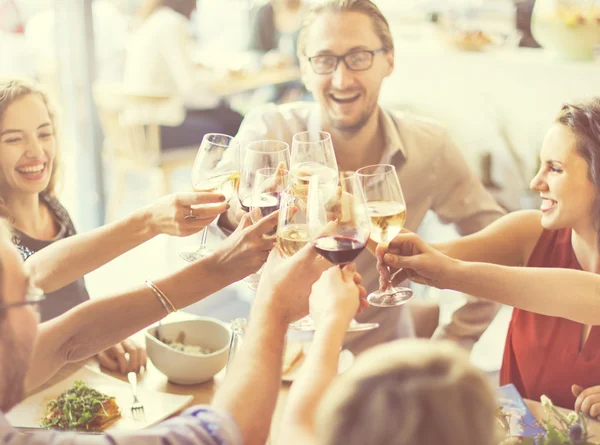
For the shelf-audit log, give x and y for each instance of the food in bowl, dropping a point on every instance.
(81, 408)
(187, 368)
(179, 345)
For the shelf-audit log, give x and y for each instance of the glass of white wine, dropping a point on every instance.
(312, 155)
(387, 211)
(292, 227)
(206, 177)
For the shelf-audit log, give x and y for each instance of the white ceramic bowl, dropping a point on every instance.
(188, 369)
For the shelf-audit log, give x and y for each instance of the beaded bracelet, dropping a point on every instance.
(169, 307)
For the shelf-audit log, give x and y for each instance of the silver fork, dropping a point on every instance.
(137, 409)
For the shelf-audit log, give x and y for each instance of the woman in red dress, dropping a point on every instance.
(553, 342)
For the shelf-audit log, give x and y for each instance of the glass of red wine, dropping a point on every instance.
(253, 157)
(338, 227)
(269, 184)
(257, 155)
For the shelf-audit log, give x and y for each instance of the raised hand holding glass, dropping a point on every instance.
(387, 212)
(206, 177)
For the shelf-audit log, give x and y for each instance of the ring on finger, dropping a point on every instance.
(191, 216)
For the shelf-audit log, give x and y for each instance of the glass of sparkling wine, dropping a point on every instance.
(292, 234)
(387, 211)
(207, 177)
(269, 184)
(292, 229)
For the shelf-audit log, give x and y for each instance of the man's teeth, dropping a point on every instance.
(32, 169)
(344, 96)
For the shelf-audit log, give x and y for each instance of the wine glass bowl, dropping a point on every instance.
(292, 227)
(312, 155)
(257, 155)
(206, 176)
(339, 225)
(269, 184)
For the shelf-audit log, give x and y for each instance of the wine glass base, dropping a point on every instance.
(395, 296)
(190, 257)
(307, 324)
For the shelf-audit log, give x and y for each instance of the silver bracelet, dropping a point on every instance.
(169, 307)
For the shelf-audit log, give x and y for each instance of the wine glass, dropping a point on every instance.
(292, 227)
(269, 184)
(257, 155)
(207, 178)
(387, 210)
(313, 154)
(339, 229)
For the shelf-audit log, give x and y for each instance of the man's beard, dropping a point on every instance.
(355, 127)
(352, 128)
(14, 367)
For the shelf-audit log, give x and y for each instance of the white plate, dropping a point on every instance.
(345, 361)
(157, 405)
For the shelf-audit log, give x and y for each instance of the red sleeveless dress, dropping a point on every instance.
(541, 355)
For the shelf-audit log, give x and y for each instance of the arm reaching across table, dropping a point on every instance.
(539, 290)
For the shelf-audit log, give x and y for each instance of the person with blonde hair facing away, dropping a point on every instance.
(56, 257)
(545, 263)
(407, 392)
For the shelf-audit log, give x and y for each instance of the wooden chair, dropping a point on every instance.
(131, 125)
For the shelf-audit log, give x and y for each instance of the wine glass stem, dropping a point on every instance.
(391, 276)
(203, 239)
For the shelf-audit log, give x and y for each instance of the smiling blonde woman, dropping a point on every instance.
(56, 257)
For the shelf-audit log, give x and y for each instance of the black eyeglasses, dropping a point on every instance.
(354, 60)
(34, 296)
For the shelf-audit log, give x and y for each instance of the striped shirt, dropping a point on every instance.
(198, 425)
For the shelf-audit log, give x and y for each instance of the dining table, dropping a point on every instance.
(152, 380)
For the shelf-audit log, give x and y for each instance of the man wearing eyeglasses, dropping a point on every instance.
(346, 50)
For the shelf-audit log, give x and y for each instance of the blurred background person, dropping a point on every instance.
(160, 61)
(10, 17)
(13, 45)
(274, 31)
(110, 36)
